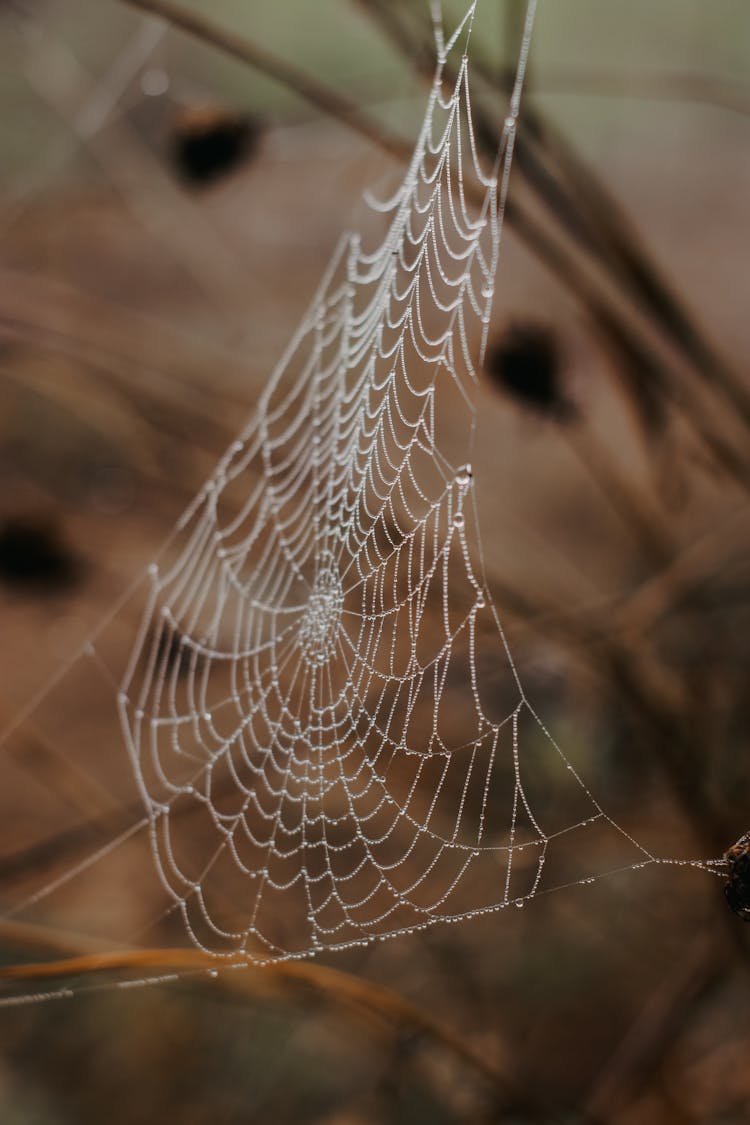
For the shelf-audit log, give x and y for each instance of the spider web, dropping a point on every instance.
(322, 717)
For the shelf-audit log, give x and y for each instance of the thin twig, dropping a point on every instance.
(316, 93)
(552, 254)
(583, 195)
(351, 992)
(572, 190)
(601, 227)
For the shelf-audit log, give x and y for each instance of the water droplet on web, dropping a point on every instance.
(458, 519)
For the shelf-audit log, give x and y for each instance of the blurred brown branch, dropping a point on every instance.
(378, 1004)
(609, 237)
(595, 227)
(317, 93)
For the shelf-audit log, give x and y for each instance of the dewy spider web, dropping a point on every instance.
(324, 608)
(324, 723)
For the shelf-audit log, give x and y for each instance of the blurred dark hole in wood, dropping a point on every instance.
(35, 557)
(208, 142)
(527, 363)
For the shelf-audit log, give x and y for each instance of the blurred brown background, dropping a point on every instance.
(157, 255)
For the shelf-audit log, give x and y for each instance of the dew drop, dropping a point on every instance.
(463, 478)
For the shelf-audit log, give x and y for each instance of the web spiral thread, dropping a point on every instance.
(319, 677)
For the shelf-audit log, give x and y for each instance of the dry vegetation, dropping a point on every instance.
(142, 304)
